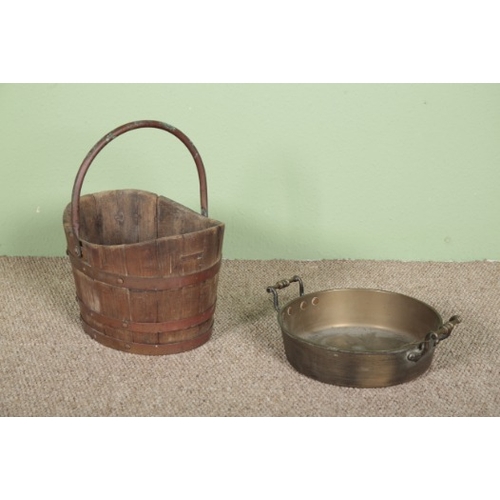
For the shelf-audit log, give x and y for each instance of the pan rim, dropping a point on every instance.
(401, 349)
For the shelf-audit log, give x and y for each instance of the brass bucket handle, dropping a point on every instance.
(283, 284)
(80, 176)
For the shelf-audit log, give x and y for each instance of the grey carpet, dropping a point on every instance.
(49, 367)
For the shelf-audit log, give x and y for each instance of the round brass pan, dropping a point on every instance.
(359, 337)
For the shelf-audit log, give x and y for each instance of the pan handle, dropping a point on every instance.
(432, 339)
(283, 284)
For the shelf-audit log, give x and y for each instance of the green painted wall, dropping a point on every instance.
(296, 171)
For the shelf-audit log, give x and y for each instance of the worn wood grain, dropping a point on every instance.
(129, 234)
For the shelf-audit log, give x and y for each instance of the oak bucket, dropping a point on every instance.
(145, 267)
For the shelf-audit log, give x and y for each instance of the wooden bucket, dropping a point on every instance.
(145, 267)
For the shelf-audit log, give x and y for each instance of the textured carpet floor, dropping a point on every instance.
(49, 367)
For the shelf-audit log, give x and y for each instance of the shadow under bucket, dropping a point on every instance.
(145, 267)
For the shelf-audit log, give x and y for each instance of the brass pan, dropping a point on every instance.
(359, 337)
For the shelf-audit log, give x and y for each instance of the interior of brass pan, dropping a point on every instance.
(359, 320)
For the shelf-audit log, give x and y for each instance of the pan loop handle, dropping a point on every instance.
(432, 339)
(445, 331)
(80, 176)
(283, 284)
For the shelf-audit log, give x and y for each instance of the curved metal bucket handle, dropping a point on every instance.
(80, 176)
